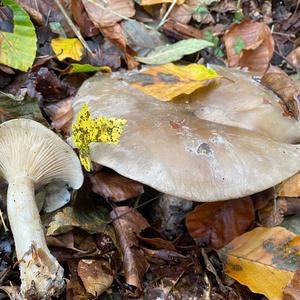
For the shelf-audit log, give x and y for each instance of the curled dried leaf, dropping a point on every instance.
(249, 44)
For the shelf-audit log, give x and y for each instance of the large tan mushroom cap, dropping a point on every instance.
(167, 146)
(28, 148)
(239, 100)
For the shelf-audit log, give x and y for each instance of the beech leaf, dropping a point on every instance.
(168, 81)
(67, 48)
(173, 52)
(18, 48)
(270, 253)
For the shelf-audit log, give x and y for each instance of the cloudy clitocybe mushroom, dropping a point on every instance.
(233, 146)
(31, 155)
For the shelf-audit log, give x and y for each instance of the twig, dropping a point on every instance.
(74, 28)
(286, 60)
(3, 222)
(163, 20)
(173, 286)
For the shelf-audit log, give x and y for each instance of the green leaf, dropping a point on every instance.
(173, 52)
(83, 68)
(238, 45)
(201, 10)
(18, 49)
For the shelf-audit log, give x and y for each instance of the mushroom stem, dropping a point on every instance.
(41, 274)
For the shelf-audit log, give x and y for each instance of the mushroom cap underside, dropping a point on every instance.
(28, 148)
(170, 149)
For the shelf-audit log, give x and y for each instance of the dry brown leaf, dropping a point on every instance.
(108, 13)
(294, 57)
(117, 36)
(61, 114)
(218, 223)
(292, 290)
(182, 13)
(128, 223)
(96, 275)
(75, 289)
(152, 2)
(249, 44)
(80, 16)
(115, 187)
(284, 86)
(179, 31)
(290, 187)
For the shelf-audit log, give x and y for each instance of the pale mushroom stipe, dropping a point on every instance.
(31, 155)
(223, 144)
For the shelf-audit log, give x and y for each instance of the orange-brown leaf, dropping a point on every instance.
(218, 223)
(258, 45)
(115, 187)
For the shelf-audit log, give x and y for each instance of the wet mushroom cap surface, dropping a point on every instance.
(168, 147)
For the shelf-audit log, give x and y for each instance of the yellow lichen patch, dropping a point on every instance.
(87, 130)
(168, 81)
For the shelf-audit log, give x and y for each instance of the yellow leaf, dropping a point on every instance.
(168, 81)
(67, 48)
(264, 259)
(87, 130)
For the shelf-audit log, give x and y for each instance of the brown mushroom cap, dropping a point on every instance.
(167, 146)
(28, 148)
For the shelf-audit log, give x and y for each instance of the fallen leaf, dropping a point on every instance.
(91, 220)
(168, 81)
(48, 86)
(280, 83)
(141, 39)
(116, 35)
(115, 187)
(85, 68)
(108, 13)
(182, 13)
(292, 290)
(258, 45)
(87, 28)
(75, 289)
(173, 52)
(67, 48)
(217, 223)
(290, 187)
(179, 31)
(128, 223)
(152, 2)
(17, 49)
(271, 253)
(60, 113)
(96, 275)
(294, 57)
(27, 108)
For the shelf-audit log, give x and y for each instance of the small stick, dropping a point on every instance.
(3, 222)
(163, 20)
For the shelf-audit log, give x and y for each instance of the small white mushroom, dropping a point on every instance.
(31, 155)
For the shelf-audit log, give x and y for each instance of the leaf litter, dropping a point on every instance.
(113, 249)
